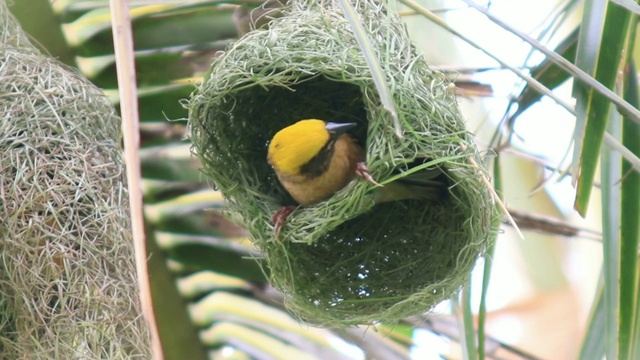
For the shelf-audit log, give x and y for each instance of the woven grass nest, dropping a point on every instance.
(346, 260)
(68, 285)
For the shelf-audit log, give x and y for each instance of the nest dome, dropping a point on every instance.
(68, 285)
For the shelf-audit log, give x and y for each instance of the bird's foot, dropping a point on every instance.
(363, 171)
(279, 218)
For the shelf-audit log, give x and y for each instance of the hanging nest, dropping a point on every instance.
(346, 260)
(67, 272)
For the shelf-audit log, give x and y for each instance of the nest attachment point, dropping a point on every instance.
(346, 260)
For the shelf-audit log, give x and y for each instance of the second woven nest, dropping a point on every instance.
(346, 260)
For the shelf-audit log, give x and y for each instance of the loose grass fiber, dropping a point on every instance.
(347, 260)
(67, 274)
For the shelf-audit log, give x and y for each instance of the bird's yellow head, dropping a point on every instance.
(294, 146)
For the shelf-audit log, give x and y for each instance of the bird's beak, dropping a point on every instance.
(338, 128)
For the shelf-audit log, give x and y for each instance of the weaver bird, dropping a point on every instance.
(313, 159)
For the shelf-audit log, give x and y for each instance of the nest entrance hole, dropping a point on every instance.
(256, 113)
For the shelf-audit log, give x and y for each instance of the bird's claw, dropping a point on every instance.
(279, 218)
(363, 171)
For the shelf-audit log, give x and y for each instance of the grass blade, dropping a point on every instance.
(371, 57)
(629, 225)
(602, 42)
(488, 264)
(548, 73)
(468, 338)
(593, 342)
(629, 5)
(610, 175)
